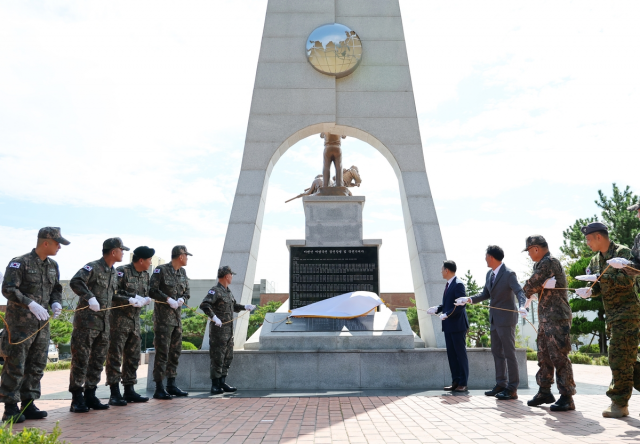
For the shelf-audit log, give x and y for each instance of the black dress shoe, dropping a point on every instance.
(30, 411)
(451, 387)
(494, 391)
(564, 404)
(541, 398)
(173, 389)
(507, 394)
(160, 392)
(461, 388)
(226, 387)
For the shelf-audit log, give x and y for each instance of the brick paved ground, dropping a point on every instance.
(374, 419)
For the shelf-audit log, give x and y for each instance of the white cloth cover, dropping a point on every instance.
(344, 306)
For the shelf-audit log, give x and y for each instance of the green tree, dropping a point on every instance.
(257, 318)
(61, 331)
(193, 326)
(623, 226)
(479, 324)
(412, 317)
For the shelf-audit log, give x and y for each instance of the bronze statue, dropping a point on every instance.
(317, 183)
(332, 153)
(350, 177)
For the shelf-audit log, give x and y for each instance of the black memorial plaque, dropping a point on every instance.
(319, 273)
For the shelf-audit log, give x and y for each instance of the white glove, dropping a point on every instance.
(551, 282)
(38, 311)
(523, 312)
(463, 301)
(443, 317)
(584, 293)
(216, 321)
(587, 277)
(142, 300)
(57, 309)
(147, 300)
(249, 307)
(172, 303)
(432, 310)
(618, 262)
(135, 302)
(180, 302)
(94, 304)
(527, 304)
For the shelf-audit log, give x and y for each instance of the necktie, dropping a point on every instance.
(493, 277)
(445, 289)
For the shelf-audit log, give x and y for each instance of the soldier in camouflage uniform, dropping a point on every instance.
(554, 314)
(95, 284)
(31, 285)
(125, 339)
(219, 304)
(170, 288)
(622, 309)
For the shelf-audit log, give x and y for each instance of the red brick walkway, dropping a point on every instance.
(413, 419)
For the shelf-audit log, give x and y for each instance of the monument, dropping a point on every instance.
(337, 67)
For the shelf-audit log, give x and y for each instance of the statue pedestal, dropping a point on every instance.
(334, 191)
(333, 221)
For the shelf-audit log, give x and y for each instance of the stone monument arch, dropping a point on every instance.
(373, 101)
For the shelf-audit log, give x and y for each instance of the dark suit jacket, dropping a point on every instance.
(502, 295)
(457, 320)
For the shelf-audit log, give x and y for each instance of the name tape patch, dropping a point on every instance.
(120, 274)
(88, 267)
(14, 265)
(212, 292)
(157, 270)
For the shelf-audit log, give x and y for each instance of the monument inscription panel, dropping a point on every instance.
(319, 273)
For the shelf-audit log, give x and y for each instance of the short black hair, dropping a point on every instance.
(176, 255)
(495, 252)
(602, 233)
(135, 258)
(106, 251)
(449, 265)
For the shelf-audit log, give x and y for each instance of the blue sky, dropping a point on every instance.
(128, 119)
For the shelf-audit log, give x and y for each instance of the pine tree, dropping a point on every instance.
(478, 314)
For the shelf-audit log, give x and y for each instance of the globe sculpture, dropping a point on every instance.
(334, 49)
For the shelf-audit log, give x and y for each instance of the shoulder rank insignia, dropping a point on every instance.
(88, 267)
(14, 265)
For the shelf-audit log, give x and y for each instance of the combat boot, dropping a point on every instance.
(116, 398)
(92, 401)
(215, 387)
(565, 403)
(226, 387)
(30, 411)
(130, 395)
(615, 411)
(541, 398)
(12, 414)
(173, 389)
(78, 404)
(160, 392)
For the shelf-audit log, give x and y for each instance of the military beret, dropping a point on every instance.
(534, 240)
(223, 271)
(635, 207)
(52, 233)
(593, 227)
(144, 252)
(178, 250)
(114, 242)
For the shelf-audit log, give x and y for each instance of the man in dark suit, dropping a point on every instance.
(501, 289)
(454, 325)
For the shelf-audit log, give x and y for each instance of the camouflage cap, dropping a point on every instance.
(223, 271)
(114, 242)
(635, 207)
(52, 233)
(534, 240)
(594, 226)
(178, 250)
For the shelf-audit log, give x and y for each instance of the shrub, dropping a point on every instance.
(30, 435)
(593, 348)
(580, 358)
(602, 360)
(257, 318)
(188, 346)
(60, 365)
(532, 356)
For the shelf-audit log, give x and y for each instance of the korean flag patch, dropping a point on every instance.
(120, 274)
(88, 267)
(14, 265)
(212, 292)
(156, 271)
(588, 270)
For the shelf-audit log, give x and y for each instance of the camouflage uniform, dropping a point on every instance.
(125, 339)
(219, 301)
(90, 336)
(166, 282)
(554, 316)
(28, 278)
(622, 309)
